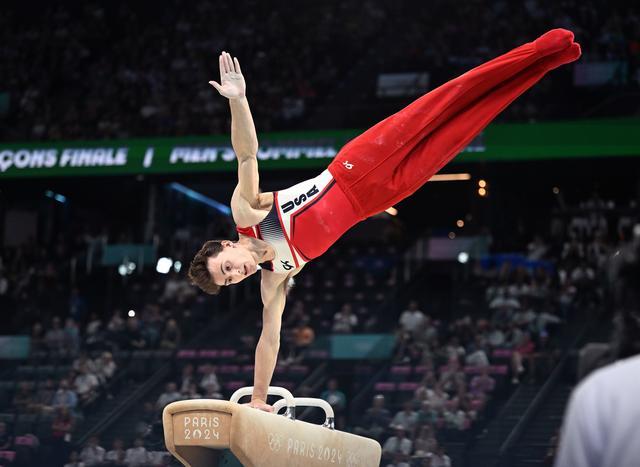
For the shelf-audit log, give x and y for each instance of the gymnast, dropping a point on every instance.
(283, 230)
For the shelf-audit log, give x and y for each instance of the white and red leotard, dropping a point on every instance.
(304, 221)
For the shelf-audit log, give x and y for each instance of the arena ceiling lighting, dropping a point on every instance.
(58, 197)
(450, 177)
(126, 268)
(164, 265)
(199, 197)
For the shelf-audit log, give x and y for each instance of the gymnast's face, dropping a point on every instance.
(232, 265)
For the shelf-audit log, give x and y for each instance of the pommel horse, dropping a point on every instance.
(210, 433)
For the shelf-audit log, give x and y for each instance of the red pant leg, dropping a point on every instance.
(367, 167)
(444, 143)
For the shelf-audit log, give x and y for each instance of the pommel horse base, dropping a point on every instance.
(198, 432)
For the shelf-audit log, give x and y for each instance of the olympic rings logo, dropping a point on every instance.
(275, 442)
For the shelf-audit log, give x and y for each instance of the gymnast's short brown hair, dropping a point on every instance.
(198, 271)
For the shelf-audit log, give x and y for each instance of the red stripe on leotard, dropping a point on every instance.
(248, 231)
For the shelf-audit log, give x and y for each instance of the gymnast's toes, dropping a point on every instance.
(554, 41)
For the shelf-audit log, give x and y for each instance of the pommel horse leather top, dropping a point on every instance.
(200, 432)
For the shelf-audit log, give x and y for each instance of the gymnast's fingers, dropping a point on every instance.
(221, 63)
(229, 62)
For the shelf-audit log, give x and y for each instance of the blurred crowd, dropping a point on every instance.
(124, 70)
(137, 455)
(478, 31)
(587, 259)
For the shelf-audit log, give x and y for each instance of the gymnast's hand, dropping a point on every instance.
(232, 85)
(261, 405)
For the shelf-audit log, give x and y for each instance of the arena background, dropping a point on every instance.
(452, 332)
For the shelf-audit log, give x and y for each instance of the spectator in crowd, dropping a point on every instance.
(170, 395)
(4, 286)
(150, 416)
(209, 381)
(105, 367)
(171, 336)
(92, 454)
(497, 336)
(93, 334)
(71, 336)
(116, 456)
(133, 335)
(376, 419)
(536, 249)
(43, 401)
(138, 455)
(77, 306)
(337, 399)
(151, 325)
(302, 337)
(38, 337)
(84, 360)
(477, 353)
(64, 396)
(412, 319)
(454, 416)
(397, 449)
(116, 330)
(188, 377)
(86, 384)
(345, 320)
(426, 387)
(440, 458)
(438, 397)
(6, 440)
(406, 418)
(75, 461)
(451, 374)
(482, 383)
(524, 348)
(23, 399)
(54, 338)
(61, 429)
(191, 392)
(426, 415)
(426, 442)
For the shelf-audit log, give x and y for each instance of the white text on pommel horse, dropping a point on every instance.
(310, 450)
(200, 427)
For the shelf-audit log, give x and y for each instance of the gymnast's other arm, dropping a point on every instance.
(246, 199)
(273, 289)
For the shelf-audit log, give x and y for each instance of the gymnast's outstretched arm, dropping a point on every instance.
(246, 196)
(273, 289)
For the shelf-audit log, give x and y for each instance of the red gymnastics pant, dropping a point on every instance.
(391, 160)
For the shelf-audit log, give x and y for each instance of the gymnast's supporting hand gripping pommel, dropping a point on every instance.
(287, 398)
(209, 433)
